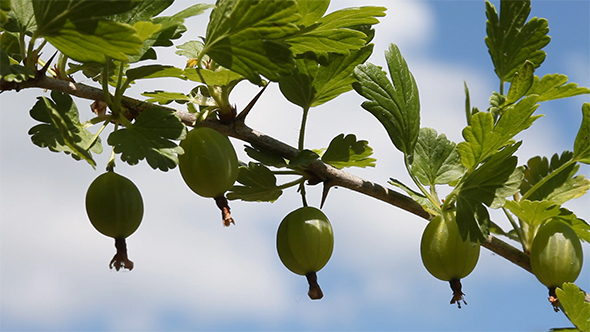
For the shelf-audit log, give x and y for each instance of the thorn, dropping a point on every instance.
(242, 116)
(47, 64)
(327, 186)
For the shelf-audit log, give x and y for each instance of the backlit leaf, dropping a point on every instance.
(346, 151)
(555, 86)
(576, 308)
(521, 83)
(582, 143)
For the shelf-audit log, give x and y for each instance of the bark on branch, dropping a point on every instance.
(329, 175)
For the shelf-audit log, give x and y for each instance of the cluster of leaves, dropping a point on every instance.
(482, 171)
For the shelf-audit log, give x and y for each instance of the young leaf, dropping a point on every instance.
(510, 41)
(259, 184)
(582, 143)
(346, 151)
(247, 37)
(313, 84)
(576, 308)
(436, 160)
(334, 34)
(521, 83)
(554, 181)
(150, 138)
(394, 103)
(483, 137)
(489, 184)
(61, 129)
(553, 86)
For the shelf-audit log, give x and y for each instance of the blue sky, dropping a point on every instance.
(192, 274)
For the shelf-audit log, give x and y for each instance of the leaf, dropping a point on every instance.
(416, 196)
(396, 105)
(221, 77)
(580, 226)
(153, 71)
(562, 185)
(521, 83)
(334, 32)
(259, 184)
(150, 138)
(21, 17)
(265, 157)
(61, 129)
(436, 160)
(576, 308)
(247, 37)
(164, 97)
(313, 84)
(534, 213)
(106, 39)
(304, 158)
(489, 184)
(553, 86)
(582, 142)
(346, 151)
(483, 138)
(311, 11)
(511, 41)
(10, 72)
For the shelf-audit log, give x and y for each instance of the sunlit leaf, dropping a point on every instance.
(511, 40)
(582, 143)
(394, 103)
(555, 86)
(521, 83)
(436, 160)
(576, 308)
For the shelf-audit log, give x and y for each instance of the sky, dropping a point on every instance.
(193, 274)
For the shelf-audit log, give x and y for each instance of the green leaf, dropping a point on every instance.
(9, 43)
(396, 105)
(191, 49)
(247, 37)
(576, 308)
(150, 138)
(511, 41)
(21, 17)
(61, 129)
(221, 77)
(346, 151)
(94, 43)
(533, 214)
(489, 184)
(13, 72)
(265, 157)
(153, 71)
(521, 83)
(580, 226)
(258, 184)
(416, 196)
(311, 11)
(164, 97)
(334, 33)
(313, 84)
(555, 181)
(483, 138)
(582, 142)
(304, 158)
(553, 86)
(436, 160)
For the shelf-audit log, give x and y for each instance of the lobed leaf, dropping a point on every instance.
(553, 86)
(582, 142)
(573, 303)
(13, 72)
(21, 17)
(150, 138)
(61, 129)
(559, 182)
(313, 84)
(258, 184)
(489, 184)
(394, 103)
(484, 137)
(436, 160)
(304, 158)
(247, 37)
(511, 41)
(265, 157)
(521, 82)
(346, 151)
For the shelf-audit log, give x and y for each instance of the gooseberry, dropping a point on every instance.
(115, 209)
(209, 166)
(305, 242)
(446, 255)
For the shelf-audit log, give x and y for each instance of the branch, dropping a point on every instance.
(328, 174)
